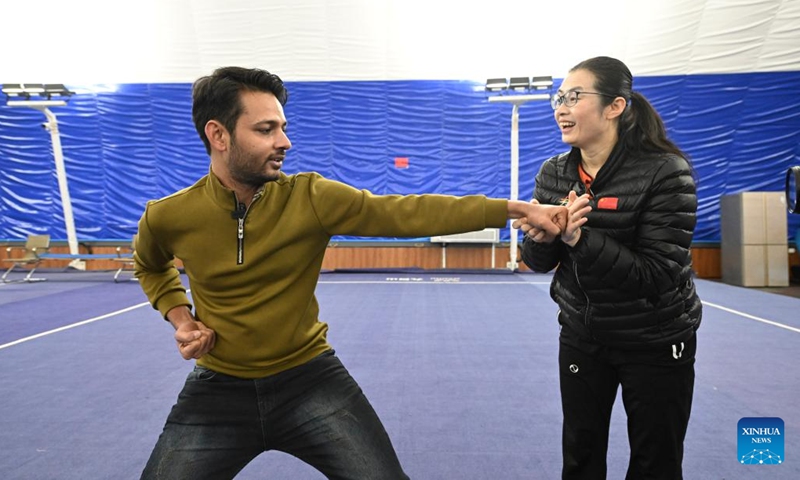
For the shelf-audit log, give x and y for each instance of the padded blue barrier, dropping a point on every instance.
(126, 145)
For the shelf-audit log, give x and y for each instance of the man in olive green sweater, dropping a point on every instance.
(252, 241)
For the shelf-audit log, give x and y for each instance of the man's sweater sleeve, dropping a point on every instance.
(344, 210)
(155, 270)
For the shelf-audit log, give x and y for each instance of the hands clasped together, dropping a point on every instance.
(540, 226)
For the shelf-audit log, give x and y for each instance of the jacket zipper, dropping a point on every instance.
(240, 242)
(240, 217)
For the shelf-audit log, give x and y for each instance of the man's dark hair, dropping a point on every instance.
(217, 96)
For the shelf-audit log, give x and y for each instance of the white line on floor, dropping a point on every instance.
(67, 327)
(409, 281)
(752, 317)
(403, 281)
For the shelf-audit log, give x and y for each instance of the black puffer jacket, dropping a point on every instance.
(628, 281)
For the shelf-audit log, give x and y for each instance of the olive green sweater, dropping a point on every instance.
(253, 278)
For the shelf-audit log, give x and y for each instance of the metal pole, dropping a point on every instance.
(516, 101)
(63, 187)
(61, 171)
(512, 264)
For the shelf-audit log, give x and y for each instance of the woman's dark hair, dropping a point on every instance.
(640, 127)
(216, 96)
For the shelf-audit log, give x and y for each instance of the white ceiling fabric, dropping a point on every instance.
(93, 41)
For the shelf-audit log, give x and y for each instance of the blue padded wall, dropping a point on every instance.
(137, 142)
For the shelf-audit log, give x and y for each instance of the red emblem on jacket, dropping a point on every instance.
(607, 203)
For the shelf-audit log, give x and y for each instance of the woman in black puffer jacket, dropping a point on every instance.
(623, 280)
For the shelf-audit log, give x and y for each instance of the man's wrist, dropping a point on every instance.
(179, 316)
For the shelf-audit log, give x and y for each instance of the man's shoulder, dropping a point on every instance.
(182, 195)
(292, 179)
(308, 180)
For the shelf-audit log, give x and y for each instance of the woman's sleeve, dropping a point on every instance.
(542, 257)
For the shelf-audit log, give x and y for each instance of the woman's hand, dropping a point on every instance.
(578, 208)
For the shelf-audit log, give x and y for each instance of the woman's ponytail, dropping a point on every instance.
(642, 130)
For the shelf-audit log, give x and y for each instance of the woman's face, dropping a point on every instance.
(585, 125)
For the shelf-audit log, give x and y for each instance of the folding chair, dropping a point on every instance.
(125, 259)
(35, 246)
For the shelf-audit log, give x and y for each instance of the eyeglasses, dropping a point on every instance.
(571, 98)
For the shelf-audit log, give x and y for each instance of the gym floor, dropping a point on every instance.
(461, 368)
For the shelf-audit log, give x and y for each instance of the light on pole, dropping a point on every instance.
(517, 91)
(41, 97)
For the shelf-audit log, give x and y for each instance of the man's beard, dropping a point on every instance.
(248, 169)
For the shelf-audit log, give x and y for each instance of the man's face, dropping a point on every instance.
(259, 144)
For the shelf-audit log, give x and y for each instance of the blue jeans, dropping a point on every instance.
(315, 412)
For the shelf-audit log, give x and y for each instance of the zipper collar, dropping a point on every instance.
(224, 197)
(615, 160)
